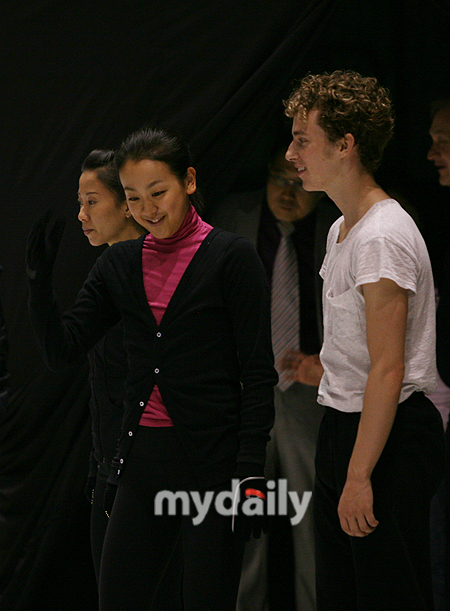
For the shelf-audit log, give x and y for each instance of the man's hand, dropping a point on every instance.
(303, 368)
(355, 508)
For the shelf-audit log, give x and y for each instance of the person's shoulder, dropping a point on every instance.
(388, 219)
(228, 248)
(231, 252)
(128, 245)
(120, 252)
(229, 239)
(390, 224)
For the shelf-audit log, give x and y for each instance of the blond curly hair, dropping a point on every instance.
(347, 103)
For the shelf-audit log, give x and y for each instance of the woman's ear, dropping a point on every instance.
(191, 181)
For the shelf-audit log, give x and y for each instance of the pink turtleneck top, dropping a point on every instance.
(164, 262)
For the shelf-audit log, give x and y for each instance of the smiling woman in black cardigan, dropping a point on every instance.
(195, 308)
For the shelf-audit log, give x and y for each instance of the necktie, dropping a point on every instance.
(285, 301)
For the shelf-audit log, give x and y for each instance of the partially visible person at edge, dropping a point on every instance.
(195, 307)
(380, 452)
(5, 376)
(439, 155)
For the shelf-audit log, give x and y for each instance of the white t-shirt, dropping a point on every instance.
(385, 243)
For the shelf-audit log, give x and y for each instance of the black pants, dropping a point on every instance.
(169, 594)
(388, 570)
(99, 520)
(139, 544)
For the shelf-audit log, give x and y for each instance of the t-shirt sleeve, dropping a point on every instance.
(382, 258)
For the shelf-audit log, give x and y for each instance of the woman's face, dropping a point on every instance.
(157, 199)
(104, 221)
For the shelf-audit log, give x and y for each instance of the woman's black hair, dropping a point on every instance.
(102, 162)
(163, 145)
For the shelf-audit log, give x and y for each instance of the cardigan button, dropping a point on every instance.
(158, 334)
(141, 403)
(121, 461)
(156, 370)
(130, 433)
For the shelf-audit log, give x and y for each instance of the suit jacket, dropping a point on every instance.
(241, 213)
(211, 355)
(5, 376)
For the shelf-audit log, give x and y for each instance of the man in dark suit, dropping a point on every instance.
(261, 216)
(4, 373)
(439, 154)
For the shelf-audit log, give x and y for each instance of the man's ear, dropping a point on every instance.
(346, 144)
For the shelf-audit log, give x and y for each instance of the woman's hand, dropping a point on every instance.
(43, 243)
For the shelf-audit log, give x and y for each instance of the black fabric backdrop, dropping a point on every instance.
(78, 76)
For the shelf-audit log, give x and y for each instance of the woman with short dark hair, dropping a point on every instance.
(195, 307)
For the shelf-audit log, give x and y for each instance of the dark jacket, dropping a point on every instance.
(108, 371)
(5, 377)
(211, 355)
(241, 213)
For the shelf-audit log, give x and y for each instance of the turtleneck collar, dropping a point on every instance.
(191, 224)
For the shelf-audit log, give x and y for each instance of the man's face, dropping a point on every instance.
(286, 197)
(312, 153)
(439, 152)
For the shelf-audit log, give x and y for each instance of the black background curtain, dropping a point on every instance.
(78, 76)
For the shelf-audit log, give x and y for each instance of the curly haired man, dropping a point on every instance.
(380, 449)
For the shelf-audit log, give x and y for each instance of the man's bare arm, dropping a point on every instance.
(386, 307)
